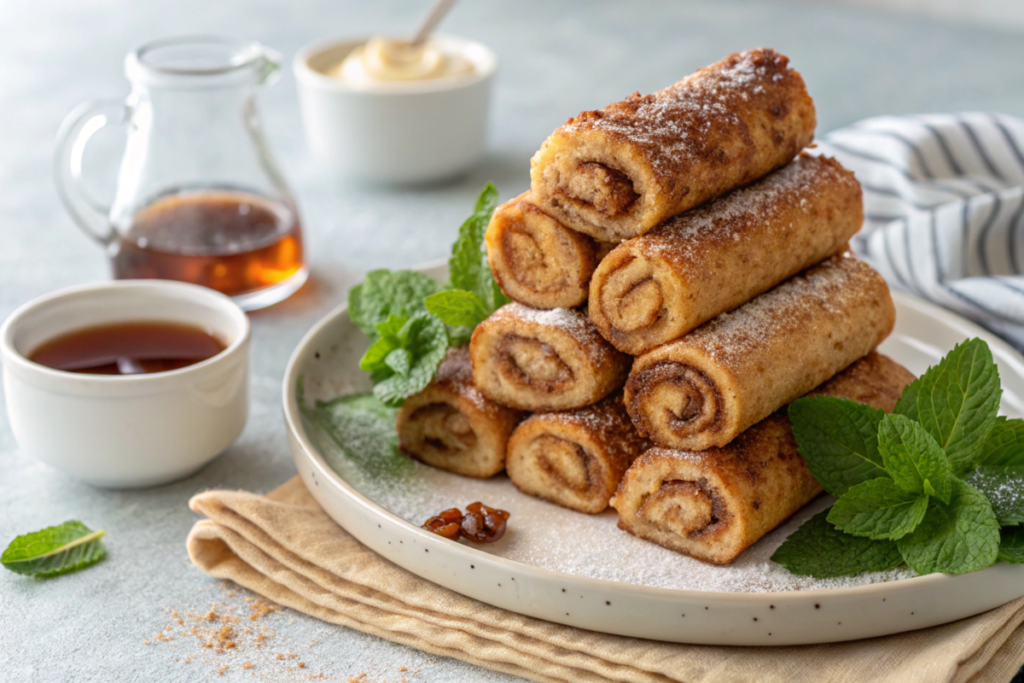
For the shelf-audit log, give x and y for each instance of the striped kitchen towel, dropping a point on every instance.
(944, 209)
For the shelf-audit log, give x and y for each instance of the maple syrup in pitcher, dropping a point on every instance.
(231, 241)
(199, 197)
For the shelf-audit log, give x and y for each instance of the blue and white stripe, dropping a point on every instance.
(944, 209)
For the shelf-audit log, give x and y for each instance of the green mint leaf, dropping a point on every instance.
(426, 342)
(913, 458)
(957, 538)
(495, 297)
(878, 509)
(400, 362)
(54, 550)
(466, 265)
(838, 439)
(356, 313)
(459, 336)
(392, 327)
(819, 549)
(956, 401)
(1004, 489)
(457, 307)
(1004, 446)
(386, 293)
(364, 428)
(1011, 545)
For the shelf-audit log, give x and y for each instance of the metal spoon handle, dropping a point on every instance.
(440, 9)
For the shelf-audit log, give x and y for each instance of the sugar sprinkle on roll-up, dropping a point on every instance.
(452, 426)
(656, 288)
(617, 172)
(703, 389)
(713, 504)
(538, 360)
(535, 259)
(574, 458)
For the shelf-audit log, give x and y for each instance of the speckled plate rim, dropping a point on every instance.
(685, 616)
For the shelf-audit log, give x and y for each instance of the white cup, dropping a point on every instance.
(398, 132)
(123, 431)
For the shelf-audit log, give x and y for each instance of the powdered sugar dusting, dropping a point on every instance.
(829, 287)
(672, 124)
(573, 322)
(748, 212)
(544, 535)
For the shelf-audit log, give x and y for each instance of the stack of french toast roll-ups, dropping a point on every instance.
(679, 274)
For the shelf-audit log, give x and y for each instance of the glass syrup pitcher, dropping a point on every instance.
(199, 197)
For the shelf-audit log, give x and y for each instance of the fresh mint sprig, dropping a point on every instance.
(932, 482)
(412, 319)
(474, 294)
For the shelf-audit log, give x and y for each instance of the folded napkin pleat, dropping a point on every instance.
(284, 547)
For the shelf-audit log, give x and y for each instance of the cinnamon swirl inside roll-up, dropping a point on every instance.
(574, 458)
(536, 260)
(617, 172)
(538, 360)
(703, 389)
(656, 288)
(713, 504)
(452, 426)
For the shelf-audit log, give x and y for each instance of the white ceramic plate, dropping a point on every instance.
(581, 570)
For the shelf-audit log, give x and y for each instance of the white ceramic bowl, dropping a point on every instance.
(132, 430)
(409, 132)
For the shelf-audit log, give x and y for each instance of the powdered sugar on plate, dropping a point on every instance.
(545, 535)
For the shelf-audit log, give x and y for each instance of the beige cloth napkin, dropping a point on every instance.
(286, 548)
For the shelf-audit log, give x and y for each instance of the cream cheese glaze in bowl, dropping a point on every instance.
(123, 431)
(411, 131)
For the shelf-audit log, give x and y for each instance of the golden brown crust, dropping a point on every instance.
(705, 388)
(536, 260)
(575, 458)
(539, 360)
(656, 288)
(617, 172)
(713, 504)
(454, 427)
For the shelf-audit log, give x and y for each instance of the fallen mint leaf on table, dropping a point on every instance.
(838, 439)
(912, 457)
(956, 401)
(818, 549)
(878, 509)
(957, 538)
(54, 550)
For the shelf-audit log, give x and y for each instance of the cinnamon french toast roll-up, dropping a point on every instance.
(713, 504)
(575, 458)
(452, 426)
(656, 288)
(617, 172)
(538, 360)
(703, 389)
(536, 260)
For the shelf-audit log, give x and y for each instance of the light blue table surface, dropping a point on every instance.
(557, 58)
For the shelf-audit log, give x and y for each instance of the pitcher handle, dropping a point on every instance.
(80, 125)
